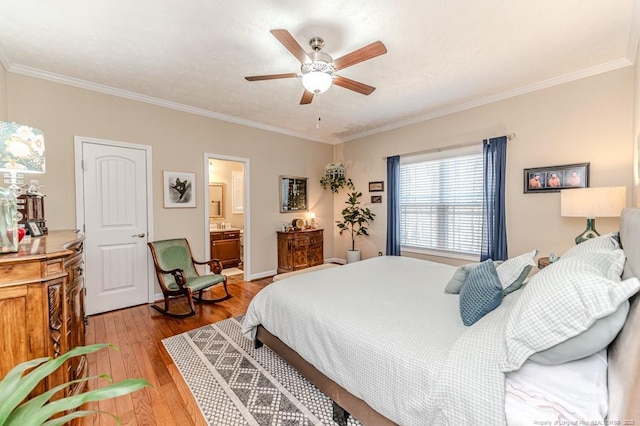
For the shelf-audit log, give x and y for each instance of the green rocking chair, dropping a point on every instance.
(177, 275)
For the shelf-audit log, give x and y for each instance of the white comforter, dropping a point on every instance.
(384, 329)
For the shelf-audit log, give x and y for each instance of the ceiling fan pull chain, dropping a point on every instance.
(318, 112)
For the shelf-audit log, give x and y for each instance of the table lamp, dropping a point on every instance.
(592, 203)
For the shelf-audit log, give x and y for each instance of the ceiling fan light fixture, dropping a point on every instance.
(317, 81)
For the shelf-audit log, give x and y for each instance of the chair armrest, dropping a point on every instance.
(217, 265)
(178, 276)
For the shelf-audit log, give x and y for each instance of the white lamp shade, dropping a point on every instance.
(21, 148)
(316, 82)
(593, 202)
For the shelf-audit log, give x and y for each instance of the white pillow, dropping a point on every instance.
(561, 302)
(608, 242)
(511, 270)
(571, 393)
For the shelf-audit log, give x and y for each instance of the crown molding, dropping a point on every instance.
(4, 58)
(634, 32)
(587, 72)
(57, 78)
(101, 88)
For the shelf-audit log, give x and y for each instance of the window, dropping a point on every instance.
(441, 202)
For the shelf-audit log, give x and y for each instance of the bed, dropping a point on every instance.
(387, 345)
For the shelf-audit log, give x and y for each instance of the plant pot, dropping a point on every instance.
(353, 256)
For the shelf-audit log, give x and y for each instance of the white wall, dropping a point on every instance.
(179, 141)
(3, 93)
(589, 120)
(636, 132)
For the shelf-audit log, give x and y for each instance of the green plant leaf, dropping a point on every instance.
(59, 421)
(71, 402)
(39, 401)
(9, 384)
(20, 388)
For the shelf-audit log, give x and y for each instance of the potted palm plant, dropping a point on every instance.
(355, 220)
(39, 410)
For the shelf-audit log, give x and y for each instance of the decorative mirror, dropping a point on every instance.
(293, 194)
(216, 200)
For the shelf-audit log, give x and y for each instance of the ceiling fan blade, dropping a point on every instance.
(291, 44)
(270, 76)
(307, 97)
(370, 51)
(356, 86)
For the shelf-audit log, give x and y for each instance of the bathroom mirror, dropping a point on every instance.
(216, 200)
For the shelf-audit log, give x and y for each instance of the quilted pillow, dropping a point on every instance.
(560, 302)
(590, 341)
(481, 293)
(455, 283)
(603, 243)
(514, 271)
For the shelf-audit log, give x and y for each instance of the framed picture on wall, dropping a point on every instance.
(179, 189)
(377, 186)
(293, 194)
(555, 178)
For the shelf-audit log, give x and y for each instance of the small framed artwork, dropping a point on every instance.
(555, 178)
(293, 194)
(377, 186)
(179, 189)
(33, 228)
(376, 199)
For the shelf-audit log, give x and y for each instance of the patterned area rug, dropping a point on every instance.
(235, 384)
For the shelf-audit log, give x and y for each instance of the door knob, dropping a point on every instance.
(140, 235)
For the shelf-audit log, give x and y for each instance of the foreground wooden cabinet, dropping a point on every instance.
(42, 305)
(300, 249)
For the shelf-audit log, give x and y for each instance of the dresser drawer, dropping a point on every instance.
(316, 239)
(304, 241)
(19, 271)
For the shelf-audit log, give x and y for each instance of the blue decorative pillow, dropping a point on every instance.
(481, 293)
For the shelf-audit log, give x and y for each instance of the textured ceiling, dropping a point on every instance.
(192, 55)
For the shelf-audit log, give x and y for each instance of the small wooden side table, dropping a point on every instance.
(542, 262)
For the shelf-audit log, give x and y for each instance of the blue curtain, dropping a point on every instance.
(393, 206)
(494, 227)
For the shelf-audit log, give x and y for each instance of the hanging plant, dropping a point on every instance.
(335, 183)
(335, 179)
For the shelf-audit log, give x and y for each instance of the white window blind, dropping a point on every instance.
(441, 202)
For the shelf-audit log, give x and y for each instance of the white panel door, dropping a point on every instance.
(115, 198)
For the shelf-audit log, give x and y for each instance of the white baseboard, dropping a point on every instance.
(262, 275)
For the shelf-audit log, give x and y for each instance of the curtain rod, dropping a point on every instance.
(447, 148)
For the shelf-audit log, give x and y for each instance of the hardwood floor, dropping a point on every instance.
(138, 332)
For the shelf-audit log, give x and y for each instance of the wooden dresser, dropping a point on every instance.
(42, 305)
(225, 246)
(300, 249)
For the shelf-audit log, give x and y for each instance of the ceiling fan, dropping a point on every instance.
(318, 70)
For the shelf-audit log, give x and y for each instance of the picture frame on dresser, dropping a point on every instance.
(33, 228)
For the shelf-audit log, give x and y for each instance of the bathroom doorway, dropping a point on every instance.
(226, 218)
